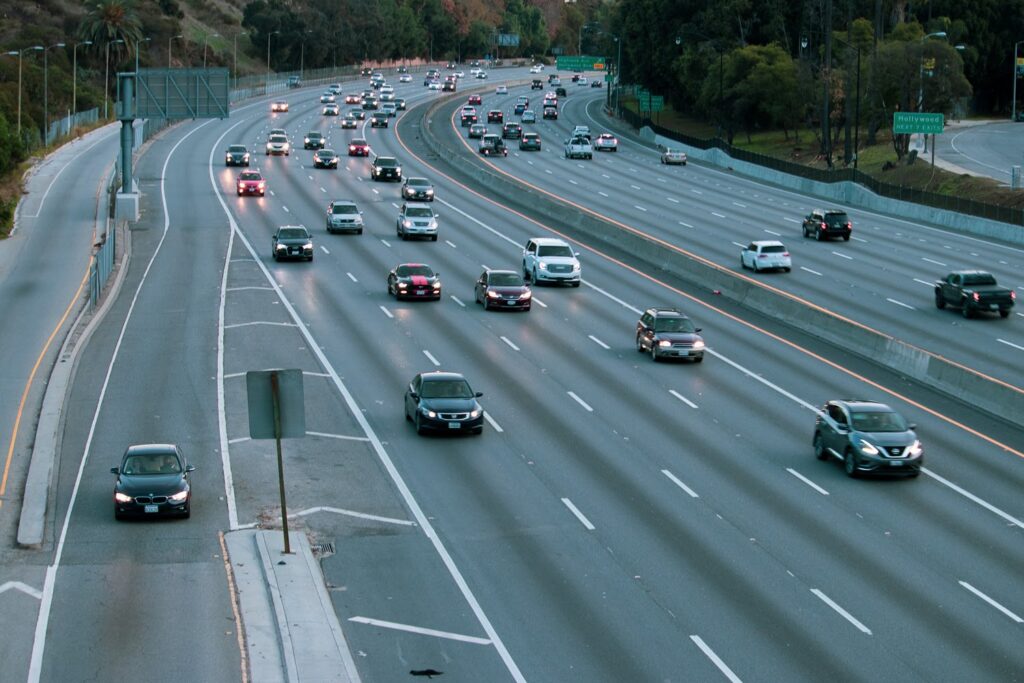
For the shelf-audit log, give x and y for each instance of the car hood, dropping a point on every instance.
(558, 260)
(450, 405)
(293, 241)
(686, 337)
(887, 439)
(506, 290)
(143, 484)
(420, 220)
(346, 218)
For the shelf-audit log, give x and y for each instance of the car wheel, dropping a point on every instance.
(966, 310)
(699, 359)
(743, 263)
(359, 231)
(805, 232)
(850, 463)
(533, 277)
(118, 516)
(419, 427)
(1004, 313)
(819, 448)
(940, 301)
(188, 512)
(846, 238)
(639, 344)
(274, 256)
(654, 352)
(818, 236)
(757, 268)
(433, 238)
(575, 283)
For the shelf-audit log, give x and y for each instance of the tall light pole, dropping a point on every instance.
(856, 117)
(206, 40)
(920, 90)
(20, 53)
(302, 54)
(46, 89)
(169, 40)
(268, 57)
(1013, 106)
(106, 77)
(74, 76)
(141, 40)
(618, 73)
(234, 58)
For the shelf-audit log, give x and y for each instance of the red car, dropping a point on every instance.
(474, 99)
(358, 148)
(495, 116)
(251, 182)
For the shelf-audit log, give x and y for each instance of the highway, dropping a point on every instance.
(988, 150)
(617, 520)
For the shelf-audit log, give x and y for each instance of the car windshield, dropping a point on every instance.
(251, 176)
(151, 463)
(773, 249)
(418, 182)
(878, 421)
(414, 269)
(555, 250)
(674, 325)
(343, 208)
(446, 388)
(505, 280)
(359, 143)
(326, 153)
(418, 212)
(292, 234)
(314, 136)
(384, 161)
(278, 138)
(237, 149)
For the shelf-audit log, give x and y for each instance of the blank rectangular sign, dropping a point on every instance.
(291, 399)
(183, 94)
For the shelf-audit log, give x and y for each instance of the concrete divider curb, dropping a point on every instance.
(995, 397)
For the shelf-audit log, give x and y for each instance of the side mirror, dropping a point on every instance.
(576, 253)
(414, 396)
(842, 427)
(479, 394)
(697, 329)
(190, 468)
(115, 470)
(912, 425)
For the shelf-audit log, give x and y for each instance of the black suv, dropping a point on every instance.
(314, 140)
(379, 119)
(867, 437)
(668, 333)
(821, 224)
(386, 168)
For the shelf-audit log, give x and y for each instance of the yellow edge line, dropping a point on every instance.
(793, 345)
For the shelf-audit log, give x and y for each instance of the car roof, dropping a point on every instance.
(418, 205)
(335, 202)
(440, 375)
(667, 312)
(417, 180)
(768, 243)
(548, 241)
(151, 449)
(863, 405)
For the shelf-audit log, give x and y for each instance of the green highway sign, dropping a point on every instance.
(657, 103)
(580, 63)
(608, 78)
(904, 123)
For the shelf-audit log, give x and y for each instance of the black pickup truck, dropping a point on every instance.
(973, 291)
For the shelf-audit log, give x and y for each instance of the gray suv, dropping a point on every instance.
(344, 215)
(416, 219)
(868, 437)
(668, 333)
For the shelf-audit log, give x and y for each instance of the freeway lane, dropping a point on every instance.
(882, 278)
(588, 560)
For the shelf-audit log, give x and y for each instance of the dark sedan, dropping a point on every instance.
(418, 189)
(443, 401)
(325, 158)
(292, 241)
(503, 289)
(152, 481)
(237, 155)
(414, 281)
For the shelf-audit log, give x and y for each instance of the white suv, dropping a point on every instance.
(547, 259)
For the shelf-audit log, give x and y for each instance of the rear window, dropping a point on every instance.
(979, 279)
(832, 217)
(773, 249)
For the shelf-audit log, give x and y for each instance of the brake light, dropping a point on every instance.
(849, 225)
(762, 256)
(786, 254)
(824, 226)
(1013, 295)
(976, 296)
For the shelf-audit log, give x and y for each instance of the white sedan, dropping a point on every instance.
(536, 68)
(673, 156)
(434, 85)
(501, 90)
(766, 255)
(606, 142)
(405, 78)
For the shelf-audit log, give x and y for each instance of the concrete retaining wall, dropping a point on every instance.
(997, 398)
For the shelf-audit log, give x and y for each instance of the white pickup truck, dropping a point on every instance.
(579, 148)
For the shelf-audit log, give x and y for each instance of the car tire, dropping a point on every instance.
(118, 516)
(699, 359)
(575, 283)
(654, 352)
(433, 238)
(419, 427)
(846, 238)
(533, 277)
(188, 512)
(940, 301)
(786, 270)
(359, 231)
(639, 345)
(966, 310)
(850, 463)
(757, 268)
(1004, 313)
(274, 256)
(817, 235)
(819, 447)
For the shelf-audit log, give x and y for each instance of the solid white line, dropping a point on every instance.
(103, 138)
(242, 289)
(456, 300)
(720, 215)
(324, 249)
(970, 496)
(579, 515)
(762, 380)
(478, 222)
(386, 311)
(715, 659)
(1003, 341)
(938, 263)
(807, 481)
(846, 615)
(900, 303)
(581, 402)
(598, 341)
(450, 244)
(741, 246)
(675, 480)
(848, 258)
(352, 277)
(925, 282)
(43, 617)
(422, 631)
(494, 425)
(509, 342)
(682, 398)
(614, 298)
(256, 323)
(812, 272)
(430, 357)
(991, 601)
(341, 437)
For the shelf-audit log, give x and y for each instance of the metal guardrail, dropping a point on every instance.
(971, 207)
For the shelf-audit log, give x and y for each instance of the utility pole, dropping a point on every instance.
(826, 132)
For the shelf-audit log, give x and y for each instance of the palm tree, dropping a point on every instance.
(109, 20)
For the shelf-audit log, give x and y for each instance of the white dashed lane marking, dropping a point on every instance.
(598, 341)
(579, 400)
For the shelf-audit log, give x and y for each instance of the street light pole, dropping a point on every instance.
(141, 40)
(618, 73)
(206, 40)
(106, 77)
(20, 53)
(46, 90)
(234, 68)
(169, 48)
(920, 89)
(268, 57)
(74, 76)
(1013, 104)
(302, 55)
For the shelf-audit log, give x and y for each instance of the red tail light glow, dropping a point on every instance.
(976, 296)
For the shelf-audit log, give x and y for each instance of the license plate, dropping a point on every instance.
(895, 463)
(511, 303)
(454, 425)
(420, 293)
(993, 306)
(151, 508)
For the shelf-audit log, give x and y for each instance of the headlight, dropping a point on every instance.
(527, 294)
(268, 145)
(699, 344)
(308, 245)
(543, 266)
(286, 145)
(179, 496)
(245, 157)
(407, 223)
(491, 294)
(430, 192)
(427, 411)
(575, 267)
(664, 343)
(915, 449)
(867, 449)
(227, 158)
(307, 141)
(476, 413)
(436, 285)
(402, 285)
(122, 497)
(263, 184)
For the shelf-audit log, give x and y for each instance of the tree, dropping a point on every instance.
(110, 20)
